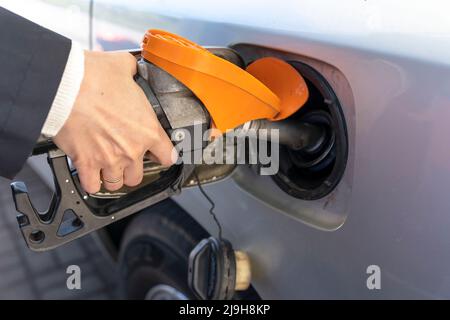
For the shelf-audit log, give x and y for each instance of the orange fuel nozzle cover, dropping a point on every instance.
(232, 95)
(284, 80)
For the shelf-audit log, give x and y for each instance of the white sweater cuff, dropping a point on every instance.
(67, 92)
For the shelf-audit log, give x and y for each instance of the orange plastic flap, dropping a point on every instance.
(269, 89)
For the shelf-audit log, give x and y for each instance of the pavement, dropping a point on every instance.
(25, 274)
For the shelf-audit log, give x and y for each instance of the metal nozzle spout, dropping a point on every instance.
(294, 134)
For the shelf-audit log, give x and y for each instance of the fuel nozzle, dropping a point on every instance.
(292, 133)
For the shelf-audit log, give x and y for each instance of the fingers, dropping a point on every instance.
(89, 178)
(112, 178)
(163, 150)
(133, 174)
(130, 173)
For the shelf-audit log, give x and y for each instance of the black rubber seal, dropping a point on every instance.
(317, 181)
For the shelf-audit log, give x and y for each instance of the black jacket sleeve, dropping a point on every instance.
(32, 61)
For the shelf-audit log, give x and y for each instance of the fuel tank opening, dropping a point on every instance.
(314, 172)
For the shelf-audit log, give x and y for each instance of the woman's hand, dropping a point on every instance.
(112, 125)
